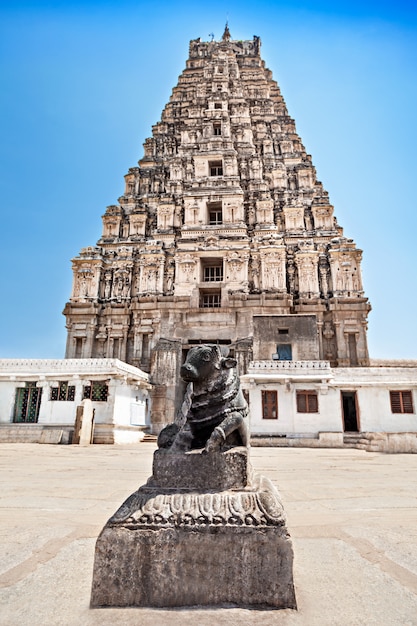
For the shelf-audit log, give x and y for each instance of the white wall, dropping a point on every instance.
(116, 410)
(329, 417)
(130, 406)
(372, 386)
(375, 412)
(7, 399)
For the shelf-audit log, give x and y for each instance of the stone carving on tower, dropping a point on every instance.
(223, 220)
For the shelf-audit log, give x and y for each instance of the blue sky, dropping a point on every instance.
(83, 82)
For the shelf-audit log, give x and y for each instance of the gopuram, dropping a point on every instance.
(223, 235)
(204, 530)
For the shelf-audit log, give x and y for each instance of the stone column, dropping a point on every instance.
(87, 423)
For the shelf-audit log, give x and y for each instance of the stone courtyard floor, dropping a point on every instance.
(352, 516)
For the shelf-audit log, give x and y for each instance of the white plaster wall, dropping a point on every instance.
(139, 409)
(103, 411)
(329, 417)
(64, 412)
(375, 412)
(58, 411)
(285, 420)
(7, 399)
(130, 407)
(117, 409)
(124, 396)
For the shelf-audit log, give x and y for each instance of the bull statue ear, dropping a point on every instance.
(228, 363)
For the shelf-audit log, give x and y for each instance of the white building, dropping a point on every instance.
(311, 403)
(39, 399)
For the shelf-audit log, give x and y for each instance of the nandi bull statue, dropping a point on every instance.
(214, 413)
(204, 516)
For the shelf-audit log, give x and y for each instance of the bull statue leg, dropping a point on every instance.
(231, 423)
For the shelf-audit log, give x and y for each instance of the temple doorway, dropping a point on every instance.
(350, 413)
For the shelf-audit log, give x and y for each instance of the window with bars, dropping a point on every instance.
(269, 405)
(63, 392)
(401, 401)
(210, 300)
(307, 402)
(213, 273)
(97, 391)
(215, 217)
(217, 129)
(27, 403)
(216, 168)
(215, 213)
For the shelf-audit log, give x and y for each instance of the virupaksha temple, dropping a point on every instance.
(224, 236)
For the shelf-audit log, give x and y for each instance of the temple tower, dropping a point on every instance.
(223, 234)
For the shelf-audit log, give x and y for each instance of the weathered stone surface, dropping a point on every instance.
(186, 566)
(199, 471)
(167, 548)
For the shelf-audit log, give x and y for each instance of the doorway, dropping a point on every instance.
(350, 413)
(27, 403)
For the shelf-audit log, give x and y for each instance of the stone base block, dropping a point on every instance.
(198, 471)
(172, 567)
(165, 549)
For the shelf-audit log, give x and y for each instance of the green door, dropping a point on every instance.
(28, 402)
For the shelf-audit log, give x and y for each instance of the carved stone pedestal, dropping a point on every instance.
(225, 544)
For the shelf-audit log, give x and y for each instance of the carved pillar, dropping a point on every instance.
(308, 273)
(167, 393)
(320, 337)
(89, 340)
(161, 272)
(243, 355)
(123, 350)
(342, 356)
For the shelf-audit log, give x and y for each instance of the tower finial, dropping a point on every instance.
(226, 34)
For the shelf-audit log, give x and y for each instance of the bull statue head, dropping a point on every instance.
(203, 361)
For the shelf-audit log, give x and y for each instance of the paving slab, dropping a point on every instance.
(352, 516)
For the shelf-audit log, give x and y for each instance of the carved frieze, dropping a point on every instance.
(147, 508)
(346, 273)
(137, 224)
(165, 216)
(307, 269)
(186, 268)
(273, 269)
(323, 217)
(237, 267)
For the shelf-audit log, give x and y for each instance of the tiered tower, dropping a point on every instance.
(224, 234)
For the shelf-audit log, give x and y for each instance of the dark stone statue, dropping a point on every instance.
(205, 530)
(216, 418)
